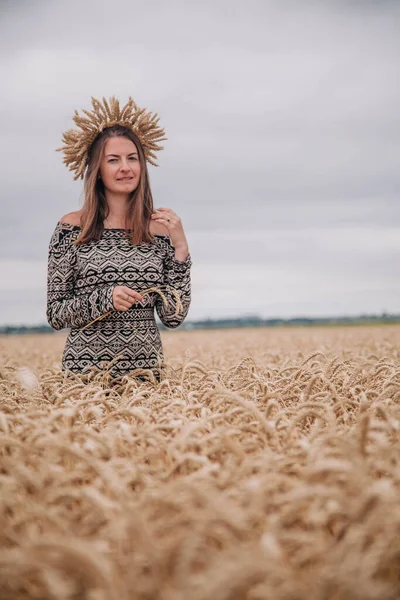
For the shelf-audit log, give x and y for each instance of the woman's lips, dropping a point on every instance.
(125, 179)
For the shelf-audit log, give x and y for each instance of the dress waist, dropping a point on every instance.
(134, 317)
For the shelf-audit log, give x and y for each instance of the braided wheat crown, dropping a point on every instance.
(139, 120)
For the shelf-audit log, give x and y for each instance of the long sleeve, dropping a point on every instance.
(176, 275)
(64, 307)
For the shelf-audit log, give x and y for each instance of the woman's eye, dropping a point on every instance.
(114, 159)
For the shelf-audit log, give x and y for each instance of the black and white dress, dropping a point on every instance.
(80, 283)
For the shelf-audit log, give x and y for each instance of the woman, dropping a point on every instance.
(102, 256)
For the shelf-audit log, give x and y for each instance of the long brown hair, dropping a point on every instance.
(95, 208)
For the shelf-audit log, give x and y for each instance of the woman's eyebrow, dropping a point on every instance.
(118, 154)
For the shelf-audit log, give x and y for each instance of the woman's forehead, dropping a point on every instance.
(119, 145)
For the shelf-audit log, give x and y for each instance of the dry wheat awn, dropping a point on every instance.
(248, 473)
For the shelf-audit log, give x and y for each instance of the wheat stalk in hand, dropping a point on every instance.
(178, 309)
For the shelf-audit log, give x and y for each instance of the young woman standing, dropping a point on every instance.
(102, 256)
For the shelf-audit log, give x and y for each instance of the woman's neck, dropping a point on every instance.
(117, 210)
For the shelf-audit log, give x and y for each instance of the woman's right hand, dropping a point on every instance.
(124, 297)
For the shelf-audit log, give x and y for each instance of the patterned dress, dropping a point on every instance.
(80, 283)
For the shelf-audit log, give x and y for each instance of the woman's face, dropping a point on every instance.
(120, 166)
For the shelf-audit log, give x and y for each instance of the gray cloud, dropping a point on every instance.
(282, 121)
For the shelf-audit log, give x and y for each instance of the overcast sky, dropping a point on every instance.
(282, 157)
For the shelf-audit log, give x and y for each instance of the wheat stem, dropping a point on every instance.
(179, 306)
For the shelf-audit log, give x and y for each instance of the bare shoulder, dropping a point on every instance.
(72, 218)
(158, 228)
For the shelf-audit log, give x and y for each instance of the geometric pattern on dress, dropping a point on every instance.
(80, 283)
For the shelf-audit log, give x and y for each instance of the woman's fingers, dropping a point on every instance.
(124, 305)
(124, 297)
(132, 294)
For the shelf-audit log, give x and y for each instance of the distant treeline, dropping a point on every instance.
(248, 321)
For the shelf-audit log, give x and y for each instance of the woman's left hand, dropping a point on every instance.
(173, 223)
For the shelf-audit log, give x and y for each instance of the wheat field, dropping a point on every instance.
(264, 466)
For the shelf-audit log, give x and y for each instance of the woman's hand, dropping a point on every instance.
(173, 223)
(124, 297)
